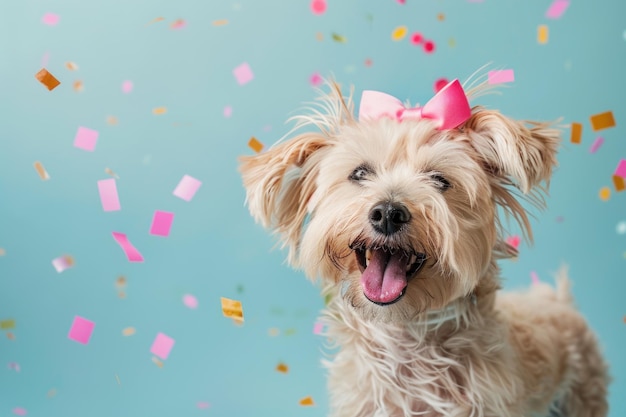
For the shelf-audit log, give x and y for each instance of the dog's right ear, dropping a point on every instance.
(280, 182)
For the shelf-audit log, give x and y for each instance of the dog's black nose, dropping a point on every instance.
(387, 217)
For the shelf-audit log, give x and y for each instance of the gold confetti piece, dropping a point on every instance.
(273, 332)
(78, 86)
(112, 120)
(399, 33)
(43, 174)
(159, 110)
(281, 367)
(47, 79)
(7, 324)
(319, 36)
(255, 144)
(232, 309)
(307, 401)
(542, 34)
(128, 331)
(602, 120)
(605, 193)
(220, 22)
(157, 362)
(120, 281)
(339, 38)
(441, 17)
(619, 183)
(111, 173)
(71, 66)
(576, 133)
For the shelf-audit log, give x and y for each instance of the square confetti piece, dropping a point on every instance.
(47, 79)
(232, 309)
(161, 223)
(162, 346)
(108, 195)
(62, 263)
(557, 8)
(50, 19)
(86, 139)
(307, 401)
(501, 76)
(576, 133)
(131, 252)
(602, 120)
(281, 367)
(619, 183)
(255, 144)
(243, 73)
(542, 34)
(41, 171)
(187, 187)
(620, 171)
(81, 330)
(7, 324)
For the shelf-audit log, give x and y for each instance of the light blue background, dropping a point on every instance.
(215, 249)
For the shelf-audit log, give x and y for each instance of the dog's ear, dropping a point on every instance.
(280, 182)
(521, 151)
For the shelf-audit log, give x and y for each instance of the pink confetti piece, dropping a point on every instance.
(81, 330)
(190, 301)
(86, 139)
(127, 87)
(243, 73)
(557, 8)
(108, 195)
(62, 263)
(439, 84)
(501, 76)
(187, 187)
(228, 111)
(318, 7)
(417, 38)
(534, 278)
(131, 252)
(161, 223)
(162, 346)
(203, 405)
(513, 241)
(50, 19)
(19, 411)
(620, 171)
(315, 79)
(318, 328)
(596, 144)
(178, 24)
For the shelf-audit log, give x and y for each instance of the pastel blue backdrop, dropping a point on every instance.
(214, 250)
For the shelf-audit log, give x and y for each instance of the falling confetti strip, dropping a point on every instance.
(339, 38)
(602, 120)
(128, 331)
(318, 7)
(50, 19)
(576, 133)
(187, 187)
(7, 324)
(131, 252)
(86, 139)
(501, 76)
(108, 195)
(399, 33)
(542, 34)
(161, 223)
(47, 79)
(71, 66)
(190, 301)
(159, 110)
(281, 367)
(62, 263)
(307, 401)
(232, 309)
(162, 346)
(41, 171)
(243, 73)
(605, 193)
(255, 145)
(81, 330)
(596, 144)
(557, 8)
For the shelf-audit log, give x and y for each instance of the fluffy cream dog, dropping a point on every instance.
(398, 212)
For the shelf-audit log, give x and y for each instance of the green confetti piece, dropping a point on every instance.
(7, 324)
(339, 38)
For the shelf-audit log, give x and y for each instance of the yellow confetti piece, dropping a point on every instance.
(576, 133)
(273, 332)
(128, 331)
(112, 120)
(232, 309)
(52, 393)
(339, 38)
(307, 401)
(220, 22)
(255, 144)
(281, 367)
(159, 110)
(110, 172)
(399, 33)
(43, 174)
(78, 86)
(542, 34)
(157, 362)
(71, 66)
(605, 193)
(619, 183)
(602, 120)
(7, 324)
(47, 79)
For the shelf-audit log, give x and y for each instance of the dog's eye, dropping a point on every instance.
(360, 173)
(440, 181)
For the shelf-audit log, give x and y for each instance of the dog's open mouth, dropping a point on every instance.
(385, 272)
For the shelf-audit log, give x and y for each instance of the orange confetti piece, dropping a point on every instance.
(441, 17)
(10, 336)
(542, 34)
(605, 193)
(157, 362)
(307, 401)
(71, 66)
(232, 309)
(602, 120)
(157, 19)
(319, 36)
(47, 79)
(128, 331)
(220, 22)
(159, 110)
(112, 120)
(78, 86)
(281, 367)
(273, 332)
(43, 174)
(576, 133)
(399, 33)
(111, 173)
(619, 183)
(255, 144)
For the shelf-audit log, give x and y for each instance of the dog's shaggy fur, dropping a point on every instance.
(450, 344)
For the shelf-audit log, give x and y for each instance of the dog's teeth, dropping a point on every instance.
(368, 255)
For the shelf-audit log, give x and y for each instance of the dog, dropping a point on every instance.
(400, 212)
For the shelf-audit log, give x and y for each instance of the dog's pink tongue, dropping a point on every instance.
(384, 279)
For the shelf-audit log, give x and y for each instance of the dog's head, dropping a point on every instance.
(400, 209)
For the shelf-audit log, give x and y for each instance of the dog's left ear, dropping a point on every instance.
(523, 151)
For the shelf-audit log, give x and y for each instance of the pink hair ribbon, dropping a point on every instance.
(449, 108)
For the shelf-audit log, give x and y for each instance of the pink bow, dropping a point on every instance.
(449, 108)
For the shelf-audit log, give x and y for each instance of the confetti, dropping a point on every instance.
(81, 330)
(228, 111)
(513, 241)
(534, 278)
(290, 331)
(557, 8)
(368, 62)
(620, 171)
(7, 324)
(307, 401)
(417, 38)
(47, 79)
(318, 7)
(110, 172)
(319, 36)
(51, 393)
(108, 195)
(281, 367)
(178, 24)
(19, 411)
(190, 301)
(501, 76)
(232, 309)
(429, 47)
(43, 174)
(14, 366)
(10, 336)
(156, 19)
(339, 38)
(439, 84)
(45, 58)
(576, 133)
(2, 252)
(441, 17)
(62, 263)
(619, 183)
(162, 346)
(318, 328)
(50, 19)
(605, 193)
(596, 144)
(157, 362)
(273, 332)
(86, 139)
(71, 66)
(220, 22)
(621, 227)
(159, 110)
(542, 34)
(112, 120)
(399, 33)
(243, 73)
(315, 79)
(127, 87)
(602, 120)
(131, 252)
(203, 405)
(78, 86)
(255, 144)
(161, 223)
(128, 331)
(187, 187)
